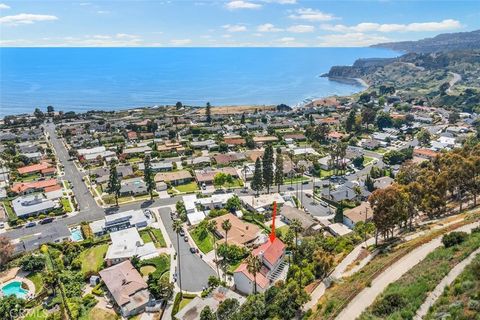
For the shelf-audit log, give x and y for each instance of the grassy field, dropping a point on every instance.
(460, 300)
(100, 314)
(337, 296)
(184, 302)
(8, 208)
(146, 270)
(92, 258)
(205, 245)
(187, 187)
(145, 235)
(36, 278)
(367, 160)
(161, 264)
(236, 183)
(295, 180)
(401, 299)
(66, 205)
(160, 240)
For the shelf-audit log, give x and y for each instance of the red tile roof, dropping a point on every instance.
(261, 280)
(24, 186)
(272, 251)
(33, 168)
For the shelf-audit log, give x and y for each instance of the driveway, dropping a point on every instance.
(194, 270)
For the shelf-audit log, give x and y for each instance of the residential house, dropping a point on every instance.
(289, 213)
(424, 153)
(44, 168)
(241, 234)
(363, 212)
(51, 233)
(121, 220)
(126, 244)
(33, 186)
(30, 205)
(133, 187)
(127, 287)
(274, 268)
(229, 158)
(207, 176)
(262, 202)
(175, 178)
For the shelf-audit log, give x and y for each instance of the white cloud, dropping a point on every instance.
(4, 6)
(281, 1)
(126, 36)
(268, 27)
(312, 15)
(103, 11)
(180, 42)
(240, 4)
(26, 18)
(85, 3)
(234, 28)
(357, 39)
(301, 28)
(287, 39)
(447, 24)
(99, 36)
(226, 36)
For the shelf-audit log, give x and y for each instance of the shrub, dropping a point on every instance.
(454, 238)
(176, 304)
(97, 290)
(389, 304)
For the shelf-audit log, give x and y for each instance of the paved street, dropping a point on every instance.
(194, 270)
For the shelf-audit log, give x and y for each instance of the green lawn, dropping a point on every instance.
(29, 177)
(187, 187)
(66, 205)
(92, 258)
(367, 160)
(236, 183)
(184, 302)
(295, 180)
(282, 230)
(231, 268)
(160, 240)
(325, 173)
(8, 208)
(36, 278)
(161, 264)
(205, 245)
(145, 235)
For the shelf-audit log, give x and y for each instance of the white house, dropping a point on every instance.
(274, 268)
(127, 243)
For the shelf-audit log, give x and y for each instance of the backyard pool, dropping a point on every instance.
(14, 288)
(76, 234)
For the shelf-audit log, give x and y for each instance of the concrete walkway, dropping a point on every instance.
(449, 278)
(339, 272)
(368, 295)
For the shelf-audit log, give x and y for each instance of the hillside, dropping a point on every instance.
(440, 43)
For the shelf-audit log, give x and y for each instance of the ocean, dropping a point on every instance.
(81, 79)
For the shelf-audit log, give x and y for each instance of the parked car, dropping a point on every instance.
(2, 225)
(193, 250)
(182, 232)
(30, 224)
(185, 238)
(47, 220)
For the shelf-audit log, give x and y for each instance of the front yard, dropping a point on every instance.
(187, 187)
(204, 240)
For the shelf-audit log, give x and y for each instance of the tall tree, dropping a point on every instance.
(6, 250)
(227, 309)
(350, 121)
(267, 162)
(279, 169)
(424, 137)
(208, 112)
(242, 119)
(296, 227)
(177, 227)
(178, 105)
(149, 176)
(257, 180)
(226, 226)
(254, 265)
(207, 314)
(114, 185)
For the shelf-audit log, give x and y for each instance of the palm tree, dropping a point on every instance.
(212, 227)
(177, 227)
(296, 227)
(226, 226)
(253, 266)
(50, 278)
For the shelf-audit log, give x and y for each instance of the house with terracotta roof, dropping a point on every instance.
(175, 178)
(241, 234)
(43, 168)
(206, 176)
(127, 288)
(425, 153)
(274, 268)
(33, 186)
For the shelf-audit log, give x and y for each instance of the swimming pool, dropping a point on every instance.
(15, 288)
(76, 234)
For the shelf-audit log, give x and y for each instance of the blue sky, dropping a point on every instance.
(230, 23)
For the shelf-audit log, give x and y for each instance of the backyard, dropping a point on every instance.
(92, 259)
(203, 239)
(153, 235)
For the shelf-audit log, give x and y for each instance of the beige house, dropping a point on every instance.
(127, 287)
